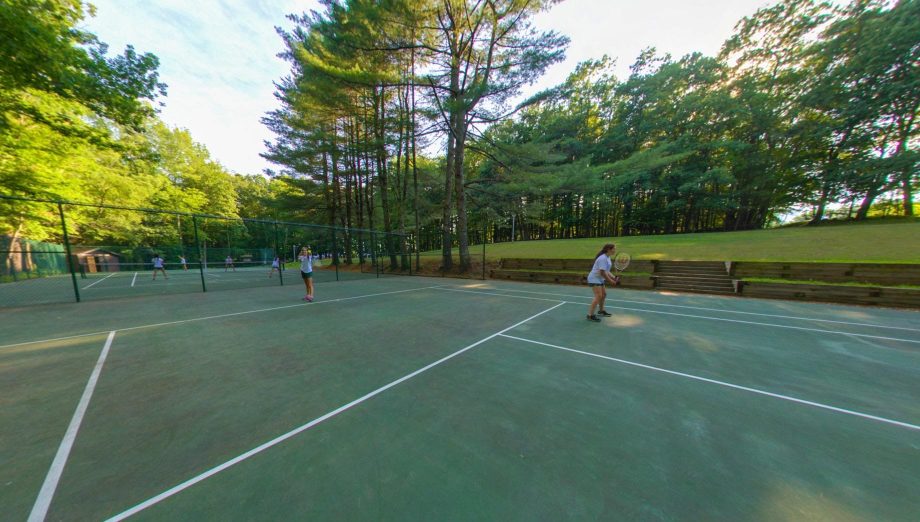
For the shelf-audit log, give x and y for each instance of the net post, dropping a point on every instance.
(73, 274)
(279, 255)
(200, 255)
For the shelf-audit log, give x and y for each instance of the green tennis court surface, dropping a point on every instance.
(413, 398)
(139, 282)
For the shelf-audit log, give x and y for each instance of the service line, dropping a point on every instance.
(99, 281)
(722, 383)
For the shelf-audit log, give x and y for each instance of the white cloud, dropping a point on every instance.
(219, 60)
(219, 56)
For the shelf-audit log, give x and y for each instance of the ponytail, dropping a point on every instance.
(607, 248)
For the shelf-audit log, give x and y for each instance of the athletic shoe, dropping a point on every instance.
(604, 313)
(594, 318)
(309, 298)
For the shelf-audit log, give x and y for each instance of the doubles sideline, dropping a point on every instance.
(205, 318)
(43, 502)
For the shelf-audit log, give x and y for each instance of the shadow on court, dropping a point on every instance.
(416, 398)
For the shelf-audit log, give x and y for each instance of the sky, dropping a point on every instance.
(218, 57)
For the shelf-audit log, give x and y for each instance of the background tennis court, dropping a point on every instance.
(413, 398)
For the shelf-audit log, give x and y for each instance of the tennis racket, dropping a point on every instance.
(620, 263)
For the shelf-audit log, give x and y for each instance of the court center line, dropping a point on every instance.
(99, 281)
(726, 384)
(134, 279)
(779, 316)
(281, 438)
(168, 323)
(43, 502)
(739, 321)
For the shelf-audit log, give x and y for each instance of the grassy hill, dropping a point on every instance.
(870, 242)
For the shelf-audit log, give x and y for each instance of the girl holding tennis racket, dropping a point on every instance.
(600, 273)
(306, 272)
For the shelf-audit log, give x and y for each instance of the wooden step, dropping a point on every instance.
(703, 289)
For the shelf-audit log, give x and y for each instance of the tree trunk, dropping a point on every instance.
(463, 239)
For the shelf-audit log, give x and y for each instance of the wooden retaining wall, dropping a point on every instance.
(574, 272)
(876, 273)
(863, 295)
(572, 265)
(568, 272)
(568, 278)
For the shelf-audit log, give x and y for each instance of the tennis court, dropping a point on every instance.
(406, 398)
(138, 281)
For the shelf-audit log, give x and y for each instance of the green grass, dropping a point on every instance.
(883, 242)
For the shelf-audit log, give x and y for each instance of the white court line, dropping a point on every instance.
(133, 280)
(315, 303)
(43, 502)
(281, 438)
(727, 384)
(773, 325)
(797, 318)
(99, 281)
(454, 289)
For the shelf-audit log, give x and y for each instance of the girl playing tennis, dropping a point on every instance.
(276, 265)
(600, 273)
(306, 271)
(158, 265)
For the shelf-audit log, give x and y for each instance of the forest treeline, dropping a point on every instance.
(808, 105)
(408, 116)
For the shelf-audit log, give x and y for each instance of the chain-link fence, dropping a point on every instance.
(54, 251)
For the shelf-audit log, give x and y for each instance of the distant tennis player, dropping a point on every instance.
(600, 273)
(276, 265)
(306, 271)
(158, 265)
(228, 264)
(183, 262)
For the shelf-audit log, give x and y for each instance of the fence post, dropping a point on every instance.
(279, 256)
(484, 229)
(200, 255)
(406, 248)
(335, 255)
(73, 273)
(376, 264)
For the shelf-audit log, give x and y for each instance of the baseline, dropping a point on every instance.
(281, 438)
(778, 316)
(723, 383)
(790, 327)
(43, 502)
